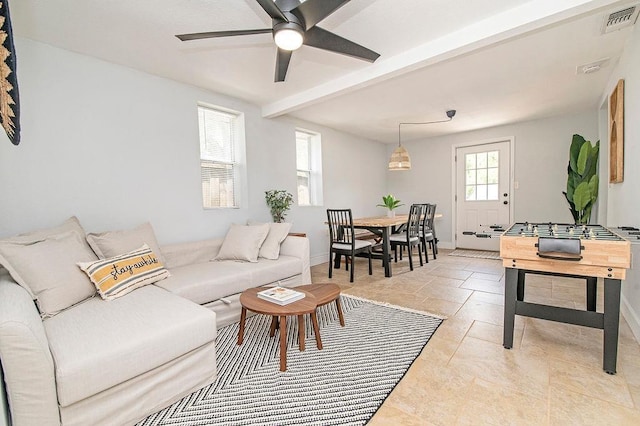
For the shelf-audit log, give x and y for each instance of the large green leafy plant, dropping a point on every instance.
(279, 202)
(582, 179)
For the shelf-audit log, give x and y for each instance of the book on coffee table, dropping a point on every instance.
(280, 295)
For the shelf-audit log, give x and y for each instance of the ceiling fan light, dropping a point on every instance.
(400, 159)
(288, 38)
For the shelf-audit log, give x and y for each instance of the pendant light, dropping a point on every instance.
(400, 159)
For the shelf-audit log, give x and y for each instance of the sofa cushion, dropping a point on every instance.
(99, 344)
(243, 242)
(271, 271)
(270, 248)
(47, 268)
(114, 243)
(205, 282)
(71, 224)
(117, 276)
(208, 281)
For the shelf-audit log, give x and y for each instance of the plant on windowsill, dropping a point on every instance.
(582, 179)
(390, 202)
(279, 202)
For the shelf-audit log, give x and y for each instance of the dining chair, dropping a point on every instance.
(428, 233)
(411, 237)
(342, 240)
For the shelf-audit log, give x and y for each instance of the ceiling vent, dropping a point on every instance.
(620, 19)
(592, 66)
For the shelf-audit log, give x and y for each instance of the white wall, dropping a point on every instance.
(623, 203)
(353, 177)
(541, 158)
(117, 147)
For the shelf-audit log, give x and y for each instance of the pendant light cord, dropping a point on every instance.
(451, 113)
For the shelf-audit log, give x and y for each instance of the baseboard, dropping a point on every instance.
(631, 316)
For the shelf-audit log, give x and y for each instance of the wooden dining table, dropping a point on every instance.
(382, 226)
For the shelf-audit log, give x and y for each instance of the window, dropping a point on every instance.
(481, 180)
(220, 139)
(309, 168)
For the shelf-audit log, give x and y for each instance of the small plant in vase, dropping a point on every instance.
(390, 202)
(279, 202)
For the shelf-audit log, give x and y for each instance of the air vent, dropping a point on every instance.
(620, 19)
(592, 66)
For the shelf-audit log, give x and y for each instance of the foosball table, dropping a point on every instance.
(566, 250)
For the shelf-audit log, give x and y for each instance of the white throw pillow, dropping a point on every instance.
(71, 224)
(47, 268)
(243, 242)
(271, 246)
(114, 243)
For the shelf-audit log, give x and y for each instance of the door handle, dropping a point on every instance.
(505, 202)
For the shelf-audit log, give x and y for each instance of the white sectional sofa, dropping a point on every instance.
(117, 361)
(217, 285)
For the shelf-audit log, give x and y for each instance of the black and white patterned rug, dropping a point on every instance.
(342, 384)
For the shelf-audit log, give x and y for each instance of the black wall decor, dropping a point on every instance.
(9, 98)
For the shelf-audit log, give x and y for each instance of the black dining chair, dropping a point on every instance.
(342, 240)
(428, 232)
(411, 237)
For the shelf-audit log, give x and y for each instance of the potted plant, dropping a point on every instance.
(582, 179)
(390, 202)
(279, 202)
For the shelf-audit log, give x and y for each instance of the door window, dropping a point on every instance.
(481, 176)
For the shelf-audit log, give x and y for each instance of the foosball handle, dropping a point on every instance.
(567, 258)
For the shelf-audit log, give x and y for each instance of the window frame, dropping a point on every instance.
(314, 161)
(237, 162)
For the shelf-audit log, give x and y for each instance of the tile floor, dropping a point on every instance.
(552, 376)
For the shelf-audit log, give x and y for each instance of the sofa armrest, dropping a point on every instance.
(298, 247)
(26, 360)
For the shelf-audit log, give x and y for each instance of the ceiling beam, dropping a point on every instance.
(511, 23)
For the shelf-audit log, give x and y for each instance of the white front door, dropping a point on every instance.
(482, 195)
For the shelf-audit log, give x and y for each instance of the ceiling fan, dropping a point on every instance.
(294, 24)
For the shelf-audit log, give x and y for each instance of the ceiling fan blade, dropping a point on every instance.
(272, 9)
(282, 64)
(314, 11)
(323, 39)
(214, 34)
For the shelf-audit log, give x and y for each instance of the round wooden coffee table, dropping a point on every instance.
(249, 300)
(325, 293)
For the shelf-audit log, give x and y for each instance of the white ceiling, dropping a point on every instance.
(494, 61)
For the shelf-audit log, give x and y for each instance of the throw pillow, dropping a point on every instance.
(243, 242)
(114, 243)
(71, 224)
(47, 269)
(270, 248)
(119, 275)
